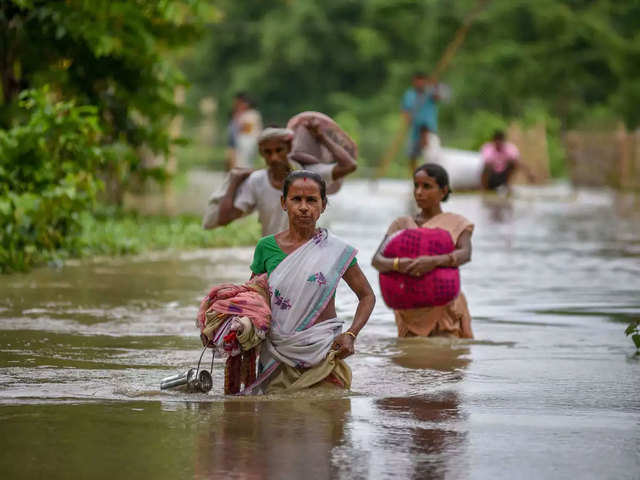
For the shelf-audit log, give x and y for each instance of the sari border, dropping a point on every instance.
(258, 381)
(288, 255)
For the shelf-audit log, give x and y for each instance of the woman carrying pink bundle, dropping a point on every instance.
(287, 310)
(431, 267)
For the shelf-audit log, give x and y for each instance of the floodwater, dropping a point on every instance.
(550, 387)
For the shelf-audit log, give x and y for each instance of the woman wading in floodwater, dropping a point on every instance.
(431, 187)
(305, 345)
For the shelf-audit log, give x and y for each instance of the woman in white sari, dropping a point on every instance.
(305, 345)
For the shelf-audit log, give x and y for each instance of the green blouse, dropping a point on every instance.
(268, 255)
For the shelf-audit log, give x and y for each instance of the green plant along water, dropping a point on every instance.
(48, 188)
(47, 178)
(633, 330)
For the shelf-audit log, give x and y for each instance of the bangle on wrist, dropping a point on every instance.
(349, 332)
(452, 260)
(396, 262)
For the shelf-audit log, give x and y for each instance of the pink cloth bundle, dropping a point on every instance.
(230, 301)
(306, 150)
(248, 300)
(437, 287)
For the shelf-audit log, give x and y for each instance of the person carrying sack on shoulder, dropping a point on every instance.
(260, 190)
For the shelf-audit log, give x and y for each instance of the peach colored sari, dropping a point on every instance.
(452, 319)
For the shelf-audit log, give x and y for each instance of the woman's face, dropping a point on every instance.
(426, 190)
(275, 152)
(303, 204)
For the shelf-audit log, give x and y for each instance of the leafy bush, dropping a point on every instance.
(120, 56)
(47, 178)
(483, 125)
(633, 330)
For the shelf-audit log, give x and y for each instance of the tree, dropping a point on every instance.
(568, 56)
(113, 54)
(86, 87)
(565, 57)
(47, 177)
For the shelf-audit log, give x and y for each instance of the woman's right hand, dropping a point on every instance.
(343, 345)
(404, 263)
(421, 265)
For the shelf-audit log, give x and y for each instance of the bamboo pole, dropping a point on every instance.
(458, 39)
(441, 66)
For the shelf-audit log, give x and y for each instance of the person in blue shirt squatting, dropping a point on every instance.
(420, 109)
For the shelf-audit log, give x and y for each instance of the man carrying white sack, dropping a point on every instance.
(260, 190)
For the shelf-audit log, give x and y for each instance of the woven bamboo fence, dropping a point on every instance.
(598, 159)
(532, 143)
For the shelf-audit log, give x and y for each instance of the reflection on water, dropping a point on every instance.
(434, 447)
(273, 439)
(499, 208)
(432, 353)
(548, 389)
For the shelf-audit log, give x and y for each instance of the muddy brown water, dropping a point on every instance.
(549, 388)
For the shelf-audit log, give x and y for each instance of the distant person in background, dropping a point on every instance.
(244, 128)
(501, 160)
(420, 108)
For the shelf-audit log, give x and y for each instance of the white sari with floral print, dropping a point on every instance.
(301, 287)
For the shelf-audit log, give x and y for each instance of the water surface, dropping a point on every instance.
(549, 388)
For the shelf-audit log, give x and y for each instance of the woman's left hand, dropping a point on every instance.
(343, 343)
(421, 265)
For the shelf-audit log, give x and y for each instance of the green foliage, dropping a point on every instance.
(633, 330)
(110, 66)
(570, 56)
(201, 155)
(555, 147)
(112, 232)
(567, 58)
(47, 178)
(482, 126)
(112, 54)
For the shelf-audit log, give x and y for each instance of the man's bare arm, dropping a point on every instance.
(345, 162)
(228, 213)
